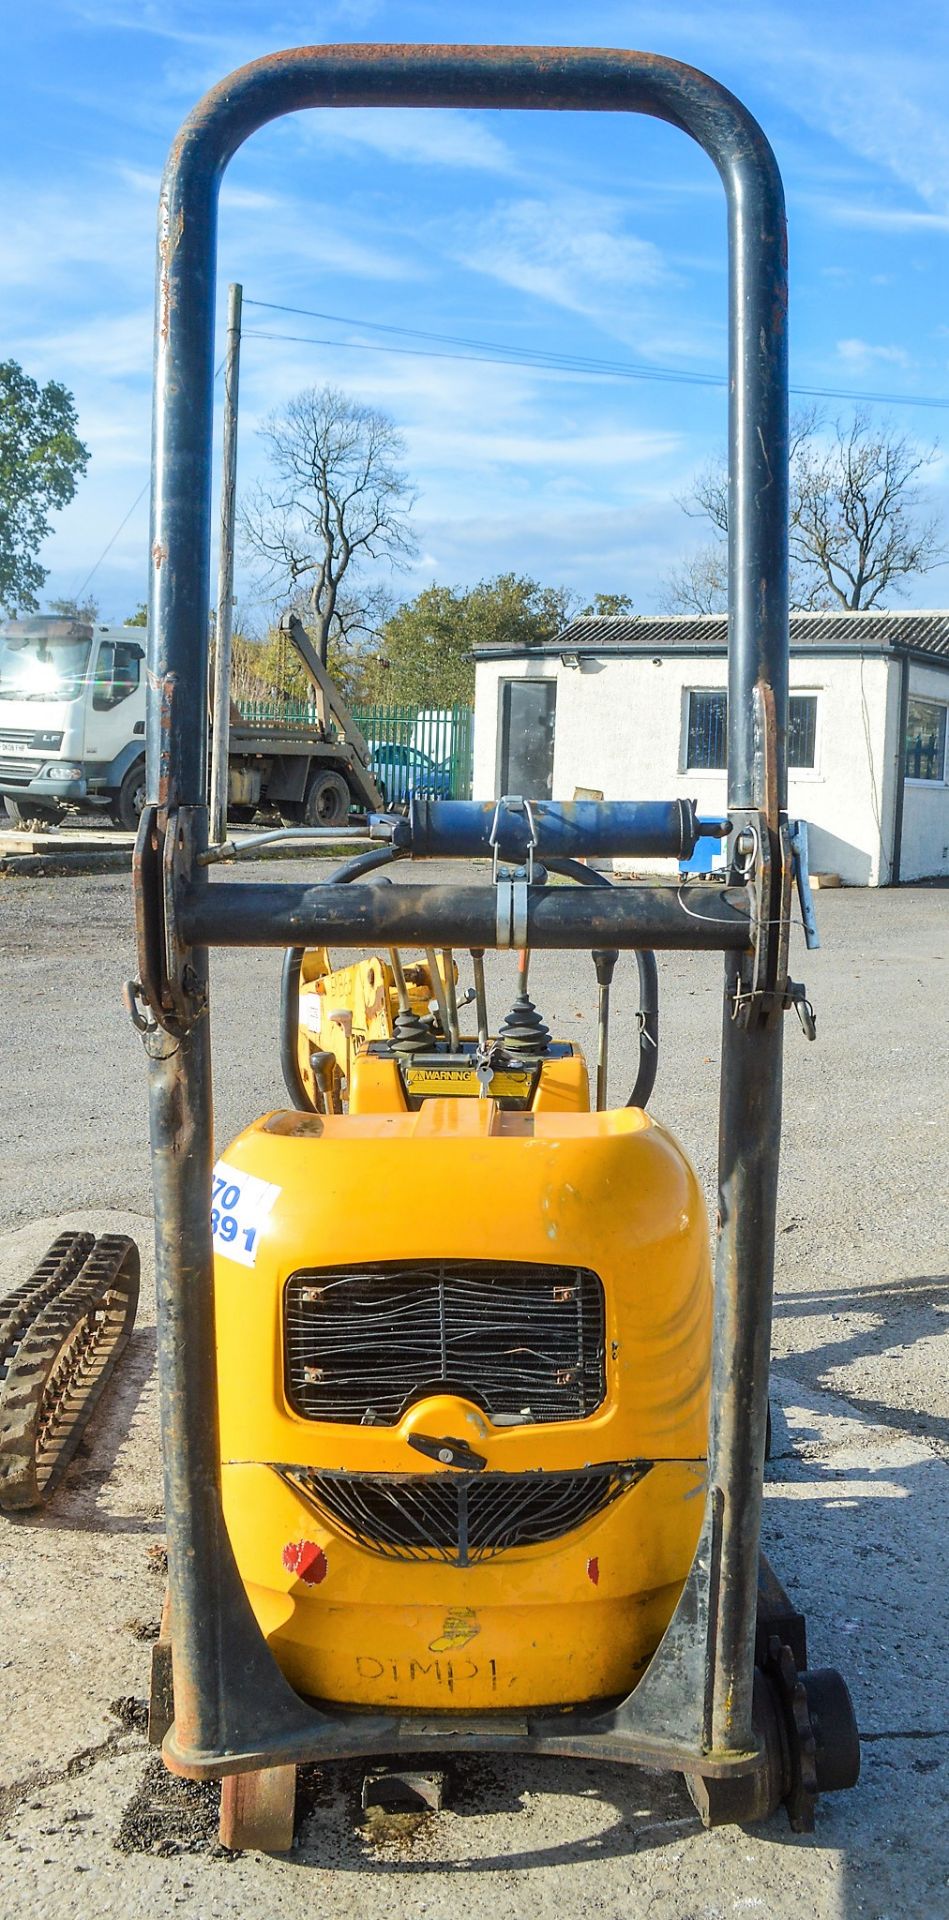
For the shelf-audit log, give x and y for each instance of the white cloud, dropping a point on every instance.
(858, 355)
(874, 83)
(84, 252)
(149, 18)
(448, 395)
(590, 547)
(235, 199)
(572, 251)
(45, 237)
(880, 219)
(114, 345)
(140, 180)
(890, 109)
(435, 137)
(592, 447)
(315, 240)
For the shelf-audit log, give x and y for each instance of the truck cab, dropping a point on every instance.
(72, 733)
(72, 718)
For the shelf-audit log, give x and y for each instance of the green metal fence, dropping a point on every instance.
(423, 750)
(278, 713)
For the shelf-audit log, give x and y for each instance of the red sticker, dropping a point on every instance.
(306, 1560)
(593, 1571)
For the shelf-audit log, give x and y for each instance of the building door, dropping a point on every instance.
(526, 757)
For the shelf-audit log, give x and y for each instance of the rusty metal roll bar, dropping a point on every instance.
(693, 1708)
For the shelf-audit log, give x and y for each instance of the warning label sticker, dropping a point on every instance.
(422, 1082)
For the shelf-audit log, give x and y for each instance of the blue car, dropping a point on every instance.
(402, 772)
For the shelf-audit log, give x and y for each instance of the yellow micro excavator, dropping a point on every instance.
(463, 1450)
(463, 1323)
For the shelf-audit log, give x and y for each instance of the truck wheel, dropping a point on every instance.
(30, 813)
(130, 799)
(327, 801)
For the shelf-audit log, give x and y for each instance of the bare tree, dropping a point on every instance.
(855, 523)
(856, 531)
(699, 585)
(338, 498)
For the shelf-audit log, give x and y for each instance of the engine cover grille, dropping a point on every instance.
(462, 1518)
(524, 1342)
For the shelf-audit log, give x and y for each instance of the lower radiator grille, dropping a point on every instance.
(21, 771)
(524, 1341)
(459, 1517)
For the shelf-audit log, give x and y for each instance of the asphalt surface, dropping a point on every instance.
(857, 1493)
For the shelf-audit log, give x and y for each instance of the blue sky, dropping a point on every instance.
(578, 235)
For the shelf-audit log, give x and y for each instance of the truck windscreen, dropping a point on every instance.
(38, 665)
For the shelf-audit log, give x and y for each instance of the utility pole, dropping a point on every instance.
(221, 702)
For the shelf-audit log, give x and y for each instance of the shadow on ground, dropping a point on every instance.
(904, 1313)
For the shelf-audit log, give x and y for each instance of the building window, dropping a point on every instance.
(925, 740)
(705, 747)
(802, 730)
(708, 723)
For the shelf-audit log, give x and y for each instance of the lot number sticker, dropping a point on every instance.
(240, 1203)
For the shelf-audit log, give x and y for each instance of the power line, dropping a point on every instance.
(486, 360)
(139, 497)
(541, 354)
(484, 351)
(107, 549)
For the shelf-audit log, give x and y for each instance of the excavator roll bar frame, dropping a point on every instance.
(692, 1711)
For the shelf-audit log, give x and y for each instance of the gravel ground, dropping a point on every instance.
(857, 1494)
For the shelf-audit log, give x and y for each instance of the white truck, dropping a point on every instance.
(72, 733)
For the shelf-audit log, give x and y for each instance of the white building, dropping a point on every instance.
(634, 708)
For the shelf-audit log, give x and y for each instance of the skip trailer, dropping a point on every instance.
(463, 1445)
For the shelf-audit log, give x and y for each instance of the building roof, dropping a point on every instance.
(874, 631)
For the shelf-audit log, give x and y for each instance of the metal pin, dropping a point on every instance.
(448, 969)
(481, 998)
(438, 990)
(398, 974)
(605, 964)
(602, 1047)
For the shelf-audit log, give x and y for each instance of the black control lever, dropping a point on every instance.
(448, 1452)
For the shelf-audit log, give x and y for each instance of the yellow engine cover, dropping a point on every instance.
(566, 1619)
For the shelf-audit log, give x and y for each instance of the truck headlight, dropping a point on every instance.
(62, 770)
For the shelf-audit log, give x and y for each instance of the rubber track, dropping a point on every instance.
(61, 1335)
(56, 1269)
